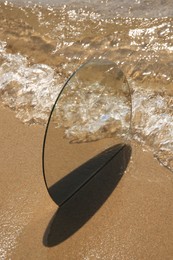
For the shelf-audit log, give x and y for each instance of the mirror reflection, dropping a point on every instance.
(87, 127)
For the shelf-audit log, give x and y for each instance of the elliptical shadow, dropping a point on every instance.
(65, 188)
(85, 203)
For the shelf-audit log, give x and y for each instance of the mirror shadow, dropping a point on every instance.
(70, 217)
(65, 188)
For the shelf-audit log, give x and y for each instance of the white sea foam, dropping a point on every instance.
(150, 34)
(30, 90)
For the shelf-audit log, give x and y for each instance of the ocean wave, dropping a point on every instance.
(29, 90)
(40, 48)
(32, 90)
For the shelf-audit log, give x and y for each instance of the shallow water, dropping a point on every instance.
(41, 46)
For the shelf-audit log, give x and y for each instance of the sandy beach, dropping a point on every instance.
(111, 218)
(135, 222)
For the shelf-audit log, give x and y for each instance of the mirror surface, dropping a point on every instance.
(87, 127)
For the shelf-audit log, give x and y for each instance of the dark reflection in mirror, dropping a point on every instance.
(91, 114)
(83, 205)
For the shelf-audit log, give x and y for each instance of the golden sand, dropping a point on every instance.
(135, 222)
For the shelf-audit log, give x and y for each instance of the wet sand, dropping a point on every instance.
(135, 222)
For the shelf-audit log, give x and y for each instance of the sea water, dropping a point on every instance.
(41, 45)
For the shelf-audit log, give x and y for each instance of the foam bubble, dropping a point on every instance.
(30, 90)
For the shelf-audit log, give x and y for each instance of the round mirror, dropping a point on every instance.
(86, 128)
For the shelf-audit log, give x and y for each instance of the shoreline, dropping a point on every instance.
(40, 47)
(135, 222)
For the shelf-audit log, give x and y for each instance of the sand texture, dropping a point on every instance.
(134, 222)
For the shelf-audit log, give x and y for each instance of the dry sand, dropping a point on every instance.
(135, 222)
